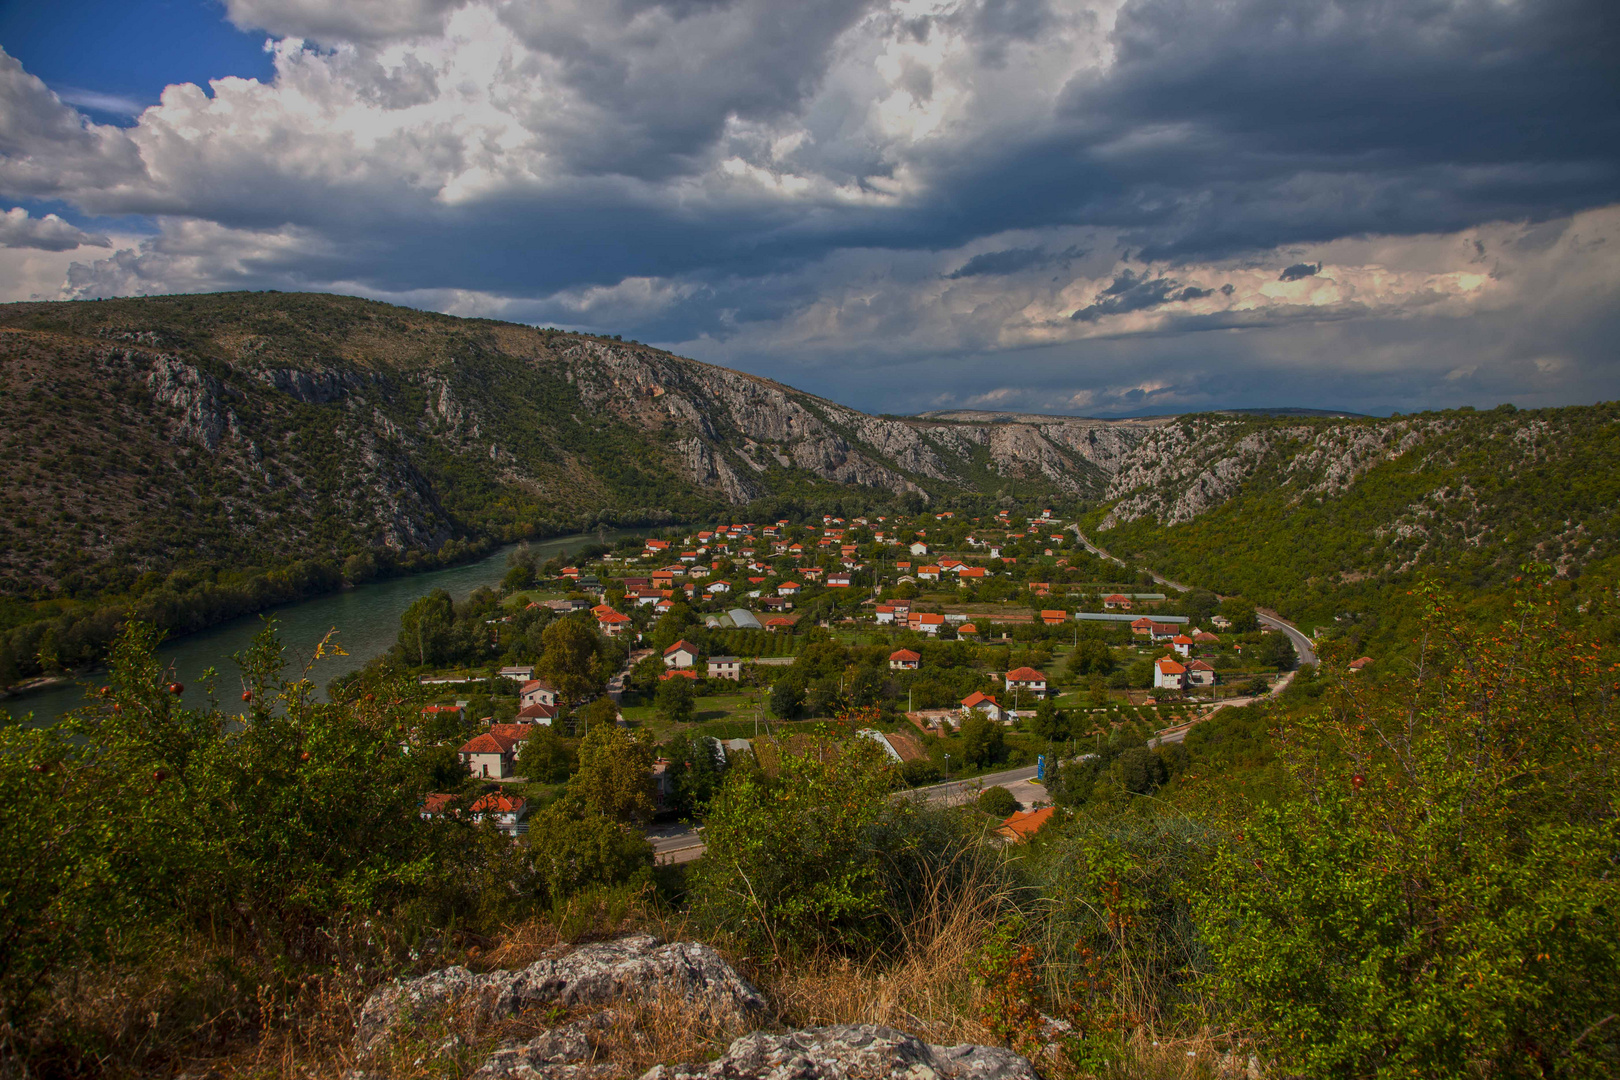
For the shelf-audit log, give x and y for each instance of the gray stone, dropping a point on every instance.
(632, 968)
(567, 1051)
(848, 1051)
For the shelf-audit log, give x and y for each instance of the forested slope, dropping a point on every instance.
(1326, 519)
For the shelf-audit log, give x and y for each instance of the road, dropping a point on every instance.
(1302, 644)
(677, 843)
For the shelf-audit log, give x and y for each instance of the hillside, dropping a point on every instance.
(161, 443)
(1324, 518)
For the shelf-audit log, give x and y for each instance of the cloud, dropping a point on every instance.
(854, 185)
(49, 233)
(118, 104)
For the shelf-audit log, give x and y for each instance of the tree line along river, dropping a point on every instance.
(366, 618)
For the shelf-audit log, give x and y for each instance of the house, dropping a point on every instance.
(966, 630)
(1164, 631)
(898, 747)
(1182, 644)
(1054, 617)
(1200, 673)
(813, 573)
(518, 672)
(1204, 637)
(655, 546)
(508, 813)
(951, 566)
(725, 667)
(489, 756)
(682, 654)
(972, 572)
(1220, 622)
(904, 660)
(516, 732)
(1026, 823)
(928, 573)
(780, 623)
(538, 713)
(837, 581)
(679, 673)
(1026, 680)
(434, 711)
(919, 548)
(1117, 600)
(537, 692)
(1041, 588)
(718, 587)
(885, 614)
(925, 622)
(1168, 674)
(1360, 662)
(977, 702)
(613, 623)
(788, 588)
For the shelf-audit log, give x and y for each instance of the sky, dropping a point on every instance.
(1103, 208)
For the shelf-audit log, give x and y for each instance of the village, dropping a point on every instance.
(959, 647)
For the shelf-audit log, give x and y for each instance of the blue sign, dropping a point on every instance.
(1040, 767)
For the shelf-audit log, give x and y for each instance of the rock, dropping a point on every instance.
(636, 968)
(866, 1051)
(561, 1052)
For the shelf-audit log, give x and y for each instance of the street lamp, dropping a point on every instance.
(947, 766)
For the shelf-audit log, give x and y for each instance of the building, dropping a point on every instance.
(919, 548)
(682, 654)
(1024, 824)
(1169, 674)
(1054, 617)
(788, 588)
(904, 660)
(612, 623)
(1360, 662)
(538, 713)
(1117, 600)
(885, 614)
(1200, 673)
(489, 756)
(509, 813)
(978, 702)
(837, 581)
(725, 667)
(927, 573)
(537, 692)
(925, 622)
(518, 672)
(1026, 680)
(1182, 644)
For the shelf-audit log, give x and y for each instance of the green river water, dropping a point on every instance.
(366, 618)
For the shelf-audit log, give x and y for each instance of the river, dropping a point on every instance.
(366, 618)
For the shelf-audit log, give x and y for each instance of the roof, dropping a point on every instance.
(1182, 639)
(488, 743)
(612, 617)
(1361, 662)
(514, 732)
(978, 698)
(724, 660)
(678, 673)
(905, 655)
(1199, 665)
(682, 644)
(1025, 823)
(538, 684)
(967, 628)
(1025, 674)
(441, 708)
(1170, 667)
(928, 618)
(538, 711)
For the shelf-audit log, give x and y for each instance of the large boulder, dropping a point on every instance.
(635, 968)
(849, 1051)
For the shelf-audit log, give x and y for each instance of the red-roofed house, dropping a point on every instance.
(682, 654)
(977, 702)
(506, 812)
(1054, 617)
(1026, 680)
(1200, 673)
(538, 713)
(788, 588)
(1117, 600)
(1182, 644)
(1360, 662)
(1024, 824)
(927, 573)
(904, 660)
(1169, 674)
(612, 623)
(925, 622)
(489, 755)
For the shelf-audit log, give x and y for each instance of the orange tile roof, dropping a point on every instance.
(1025, 824)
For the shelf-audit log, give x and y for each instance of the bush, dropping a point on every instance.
(1442, 901)
(998, 802)
(920, 773)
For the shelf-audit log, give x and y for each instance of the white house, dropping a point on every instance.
(537, 692)
(977, 702)
(919, 548)
(1169, 674)
(1026, 681)
(904, 660)
(1200, 673)
(725, 667)
(518, 672)
(1182, 644)
(682, 654)
(489, 755)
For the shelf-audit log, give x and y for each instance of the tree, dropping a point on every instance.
(677, 700)
(615, 774)
(1051, 723)
(998, 802)
(1091, 656)
(695, 772)
(787, 697)
(569, 661)
(581, 849)
(544, 757)
(982, 739)
(1139, 770)
(1278, 651)
(425, 629)
(1242, 615)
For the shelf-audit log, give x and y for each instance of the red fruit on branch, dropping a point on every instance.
(105, 691)
(159, 776)
(176, 688)
(304, 756)
(247, 695)
(1357, 780)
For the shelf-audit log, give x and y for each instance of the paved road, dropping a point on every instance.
(677, 843)
(1101, 554)
(1302, 644)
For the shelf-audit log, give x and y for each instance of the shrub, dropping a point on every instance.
(1442, 901)
(998, 802)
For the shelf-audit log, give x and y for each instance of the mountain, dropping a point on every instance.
(171, 439)
(1325, 518)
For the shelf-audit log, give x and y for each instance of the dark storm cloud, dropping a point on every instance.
(1012, 260)
(1300, 270)
(1132, 292)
